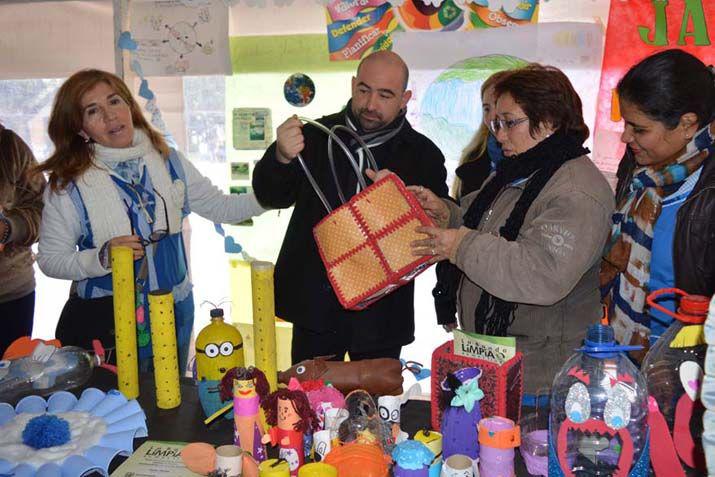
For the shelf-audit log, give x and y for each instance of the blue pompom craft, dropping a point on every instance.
(46, 431)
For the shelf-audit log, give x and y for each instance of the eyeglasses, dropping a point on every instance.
(496, 124)
(156, 235)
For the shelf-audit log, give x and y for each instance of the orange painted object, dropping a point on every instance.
(359, 460)
(24, 346)
(506, 439)
(199, 457)
(693, 309)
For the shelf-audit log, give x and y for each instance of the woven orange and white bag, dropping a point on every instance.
(365, 243)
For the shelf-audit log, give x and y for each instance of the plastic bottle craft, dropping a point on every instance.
(708, 393)
(289, 412)
(363, 423)
(674, 372)
(599, 402)
(219, 347)
(48, 369)
(461, 395)
(498, 436)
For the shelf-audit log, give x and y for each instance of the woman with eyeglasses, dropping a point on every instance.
(663, 232)
(528, 242)
(113, 180)
(478, 161)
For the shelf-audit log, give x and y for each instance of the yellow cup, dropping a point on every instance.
(318, 469)
(273, 468)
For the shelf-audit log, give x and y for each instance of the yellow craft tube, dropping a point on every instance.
(273, 468)
(125, 328)
(163, 341)
(264, 321)
(318, 469)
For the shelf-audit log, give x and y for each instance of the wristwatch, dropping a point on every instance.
(5, 236)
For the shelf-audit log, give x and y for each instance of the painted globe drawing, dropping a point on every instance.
(299, 89)
(451, 108)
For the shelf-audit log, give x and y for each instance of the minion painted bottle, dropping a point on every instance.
(219, 347)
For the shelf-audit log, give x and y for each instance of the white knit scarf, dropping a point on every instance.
(105, 209)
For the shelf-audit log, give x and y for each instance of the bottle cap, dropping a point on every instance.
(216, 313)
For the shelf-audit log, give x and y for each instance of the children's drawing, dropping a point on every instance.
(176, 37)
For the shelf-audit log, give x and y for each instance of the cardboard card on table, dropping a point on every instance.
(155, 458)
(495, 349)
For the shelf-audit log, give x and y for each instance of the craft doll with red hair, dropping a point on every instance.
(289, 413)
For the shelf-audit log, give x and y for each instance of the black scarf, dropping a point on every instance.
(372, 138)
(493, 316)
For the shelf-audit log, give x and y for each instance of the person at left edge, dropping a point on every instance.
(20, 212)
(304, 296)
(114, 181)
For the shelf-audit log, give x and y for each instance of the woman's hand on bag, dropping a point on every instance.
(290, 140)
(377, 175)
(450, 327)
(131, 241)
(434, 207)
(440, 244)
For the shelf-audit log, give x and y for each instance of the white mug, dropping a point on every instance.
(321, 443)
(389, 408)
(457, 465)
(229, 459)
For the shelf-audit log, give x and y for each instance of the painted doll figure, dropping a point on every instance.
(290, 415)
(462, 413)
(247, 387)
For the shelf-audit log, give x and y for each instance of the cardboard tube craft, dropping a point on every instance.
(290, 415)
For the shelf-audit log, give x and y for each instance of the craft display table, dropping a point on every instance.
(185, 423)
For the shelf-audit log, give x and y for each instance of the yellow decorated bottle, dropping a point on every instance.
(219, 347)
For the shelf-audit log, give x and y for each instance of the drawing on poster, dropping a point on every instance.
(240, 171)
(175, 38)
(448, 69)
(452, 123)
(240, 189)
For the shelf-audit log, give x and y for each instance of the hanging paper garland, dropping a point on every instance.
(127, 43)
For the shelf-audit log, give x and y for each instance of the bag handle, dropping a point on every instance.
(332, 136)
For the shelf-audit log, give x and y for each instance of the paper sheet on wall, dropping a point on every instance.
(175, 39)
(447, 70)
(252, 128)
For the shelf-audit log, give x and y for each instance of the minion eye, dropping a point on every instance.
(211, 350)
(578, 403)
(395, 415)
(226, 348)
(5, 363)
(617, 412)
(384, 413)
(300, 370)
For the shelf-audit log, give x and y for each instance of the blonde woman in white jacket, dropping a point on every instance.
(114, 181)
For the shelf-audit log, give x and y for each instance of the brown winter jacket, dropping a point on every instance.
(550, 270)
(21, 203)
